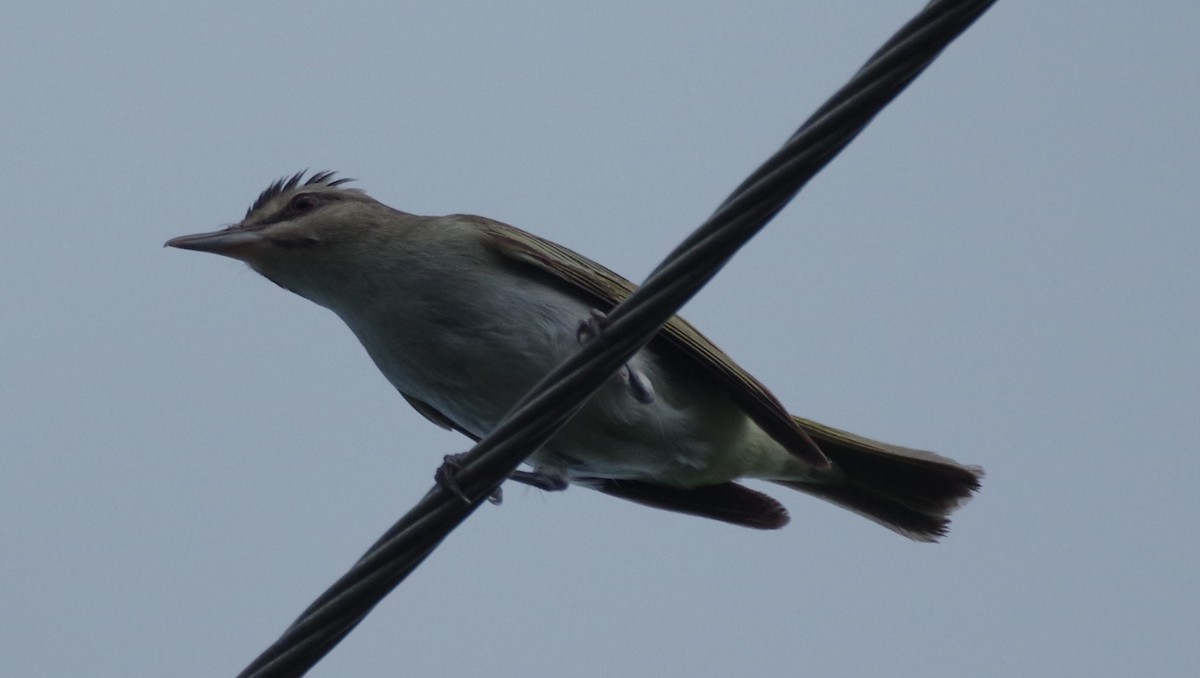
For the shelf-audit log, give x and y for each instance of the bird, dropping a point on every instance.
(463, 314)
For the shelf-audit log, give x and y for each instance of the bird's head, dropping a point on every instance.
(314, 237)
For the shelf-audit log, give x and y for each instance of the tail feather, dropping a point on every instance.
(910, 491)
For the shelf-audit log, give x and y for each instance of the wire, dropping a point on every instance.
(630, 326)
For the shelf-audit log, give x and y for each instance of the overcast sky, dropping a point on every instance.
(1004, 268)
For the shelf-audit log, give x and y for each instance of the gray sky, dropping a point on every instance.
(1003, 268)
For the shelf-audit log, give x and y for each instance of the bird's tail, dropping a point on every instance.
(910, 491)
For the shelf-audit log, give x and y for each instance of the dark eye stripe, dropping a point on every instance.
(293, 209)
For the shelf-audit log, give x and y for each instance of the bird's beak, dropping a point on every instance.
(231, 242)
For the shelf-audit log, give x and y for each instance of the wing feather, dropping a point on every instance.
(608, 289)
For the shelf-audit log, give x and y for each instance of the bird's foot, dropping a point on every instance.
(639, 386)
(592, 326)
(447, 478)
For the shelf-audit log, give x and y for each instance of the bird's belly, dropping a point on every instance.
(473, 373)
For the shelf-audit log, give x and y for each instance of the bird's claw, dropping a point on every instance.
(592, 327)
(447, 478)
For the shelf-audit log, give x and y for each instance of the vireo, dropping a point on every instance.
(464, 314)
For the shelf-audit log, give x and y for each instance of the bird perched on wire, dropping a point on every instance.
(464, 314)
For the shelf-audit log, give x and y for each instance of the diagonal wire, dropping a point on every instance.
(630, 326)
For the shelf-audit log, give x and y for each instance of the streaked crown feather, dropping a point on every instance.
(285, 184)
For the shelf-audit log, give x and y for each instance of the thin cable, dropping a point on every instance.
(630, 326)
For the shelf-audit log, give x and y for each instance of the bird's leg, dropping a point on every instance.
(591, 327)
(447, 477)
(639, 385)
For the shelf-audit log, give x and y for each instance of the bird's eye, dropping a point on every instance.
(305, 202)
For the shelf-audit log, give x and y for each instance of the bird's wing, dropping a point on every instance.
(432, 414)
(608, 289)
